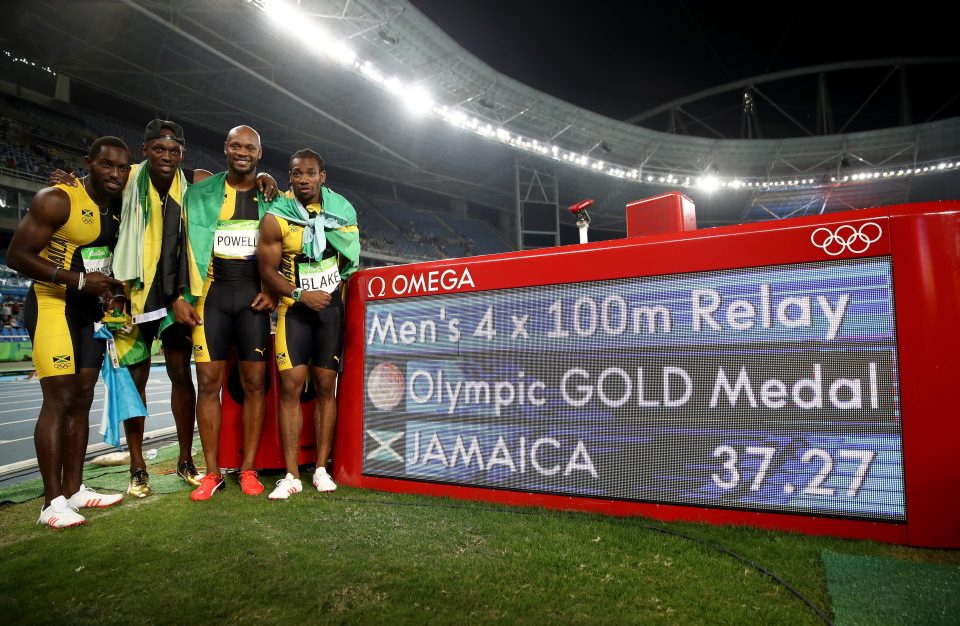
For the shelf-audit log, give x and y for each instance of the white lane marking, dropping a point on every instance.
(15, 440)
(95, 400)
(92, 424)
(91, 449)
(5, 402)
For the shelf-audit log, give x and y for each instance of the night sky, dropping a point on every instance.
(621, 58)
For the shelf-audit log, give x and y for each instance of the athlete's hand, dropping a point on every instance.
(264, 301)
(59, 177)
(185, 314)
(267, 186)
(117, 302)
(102, 285)
(316, 300)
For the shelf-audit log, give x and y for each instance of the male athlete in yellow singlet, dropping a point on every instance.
(65, 243)
(311, 237)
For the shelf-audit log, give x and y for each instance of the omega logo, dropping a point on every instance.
(429, 282)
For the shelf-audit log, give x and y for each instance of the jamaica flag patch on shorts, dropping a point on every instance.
(281, 358)
(86, 215)
(61, 361)
(198, 350)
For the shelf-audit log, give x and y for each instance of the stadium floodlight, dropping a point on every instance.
(26, 61)
(283, 13)
(371, 72)
(708, 183)
(393, 85)
(340, 52)
(418, 100)
(295, 23)
(458, 117)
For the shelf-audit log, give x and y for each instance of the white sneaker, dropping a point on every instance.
(286, 488)
(322, 480)
(88, 498)
(60, 515)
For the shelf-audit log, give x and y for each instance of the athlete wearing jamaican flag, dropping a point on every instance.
(222, 217)
(309, 245)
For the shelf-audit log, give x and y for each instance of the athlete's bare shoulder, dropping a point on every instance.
(51, 205)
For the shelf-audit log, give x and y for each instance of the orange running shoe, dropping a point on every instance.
(249, 483)
(208, 485)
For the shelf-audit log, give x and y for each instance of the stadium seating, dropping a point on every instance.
(35, 140)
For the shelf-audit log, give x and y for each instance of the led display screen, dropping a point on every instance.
(769, 389)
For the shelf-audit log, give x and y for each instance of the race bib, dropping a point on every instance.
(97, 259)
(236, 239)
(322, 276)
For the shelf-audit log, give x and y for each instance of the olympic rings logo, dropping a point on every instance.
(846, 237)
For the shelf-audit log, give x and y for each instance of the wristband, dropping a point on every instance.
(296, 294)
(53, 274)
(81, 281)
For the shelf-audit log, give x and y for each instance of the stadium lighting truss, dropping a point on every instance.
(418, 100)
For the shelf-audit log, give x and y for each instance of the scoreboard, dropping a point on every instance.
(785, 374)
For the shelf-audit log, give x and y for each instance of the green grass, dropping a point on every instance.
(367, 557)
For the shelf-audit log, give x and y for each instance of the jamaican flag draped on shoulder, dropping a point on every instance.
(336, 224)
(201, 209)
(145, 255)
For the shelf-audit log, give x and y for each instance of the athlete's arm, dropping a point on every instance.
(266, 299)
(267, 186)
(269, 253)
(50, 210)
(183, 311)
(199, 175)
(59, 177)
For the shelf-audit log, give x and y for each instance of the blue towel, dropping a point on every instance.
(122, 400)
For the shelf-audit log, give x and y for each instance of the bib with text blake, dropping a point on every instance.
(322, 276)
(236, 239)
(97, 259)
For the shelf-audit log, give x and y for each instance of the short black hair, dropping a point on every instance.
(109, 140)
(306, 153)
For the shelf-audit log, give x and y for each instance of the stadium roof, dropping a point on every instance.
(219, 63)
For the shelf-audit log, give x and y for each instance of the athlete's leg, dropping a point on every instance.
(328, 346)
(183, 395)
(325, 415)
(78, 429)
(209, 382)
(55, 357)
(211, 342)
(251, 337)
(291, 418)
(134, 427)
(252, 380)
(50, 433)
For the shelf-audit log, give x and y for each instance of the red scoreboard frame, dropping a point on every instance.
(923, 241)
